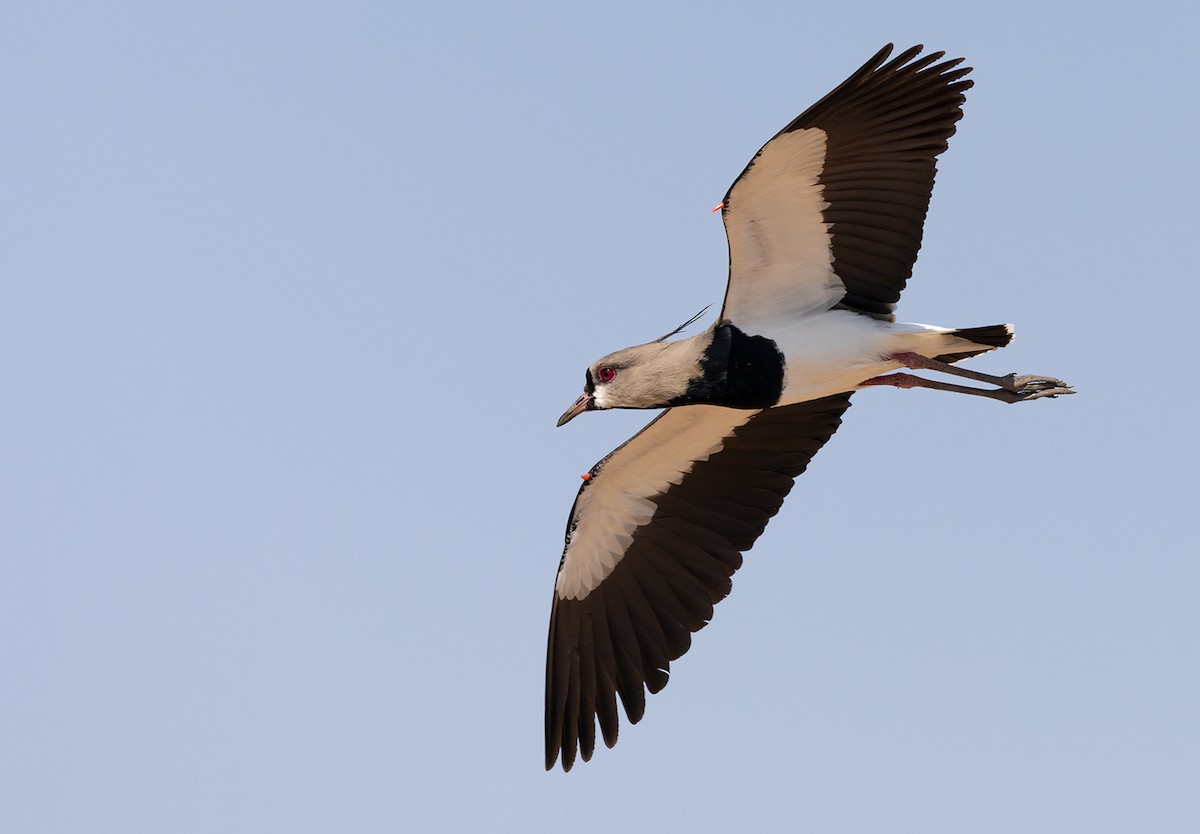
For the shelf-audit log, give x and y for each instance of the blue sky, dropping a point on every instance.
(291, 296)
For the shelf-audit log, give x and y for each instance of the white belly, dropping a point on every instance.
(836, 350)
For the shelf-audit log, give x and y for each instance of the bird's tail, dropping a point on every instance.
(987, 338)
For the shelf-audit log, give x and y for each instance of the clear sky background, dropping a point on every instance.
(291, 295)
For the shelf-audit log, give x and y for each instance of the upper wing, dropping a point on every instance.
(653, 538)
(831, 210)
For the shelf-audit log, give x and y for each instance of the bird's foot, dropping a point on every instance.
(1028, 387)
(1044, 386)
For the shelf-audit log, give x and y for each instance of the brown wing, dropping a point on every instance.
(831, 210)
(635, 599)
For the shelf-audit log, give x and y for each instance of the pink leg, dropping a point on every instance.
(1030, 388)
(1010, 382)
(896, 381)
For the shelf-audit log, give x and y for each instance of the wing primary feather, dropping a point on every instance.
(587, 688)
(570, 722)
(665, 608)
(606, 675)
(651, 640)
(629, 658)
(690, 592)
(556, 684)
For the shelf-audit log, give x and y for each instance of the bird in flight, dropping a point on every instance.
(824, 225)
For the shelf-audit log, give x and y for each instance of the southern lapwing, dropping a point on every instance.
(824, 225)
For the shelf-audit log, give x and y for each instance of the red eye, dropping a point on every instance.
(606, 374)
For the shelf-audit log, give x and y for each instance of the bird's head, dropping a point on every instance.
(645, 376)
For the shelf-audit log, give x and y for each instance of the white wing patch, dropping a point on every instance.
(780, 253)
(617, 501)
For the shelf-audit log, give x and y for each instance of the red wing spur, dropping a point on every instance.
(824, 226)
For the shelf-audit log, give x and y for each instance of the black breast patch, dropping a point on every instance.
(737, 371)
